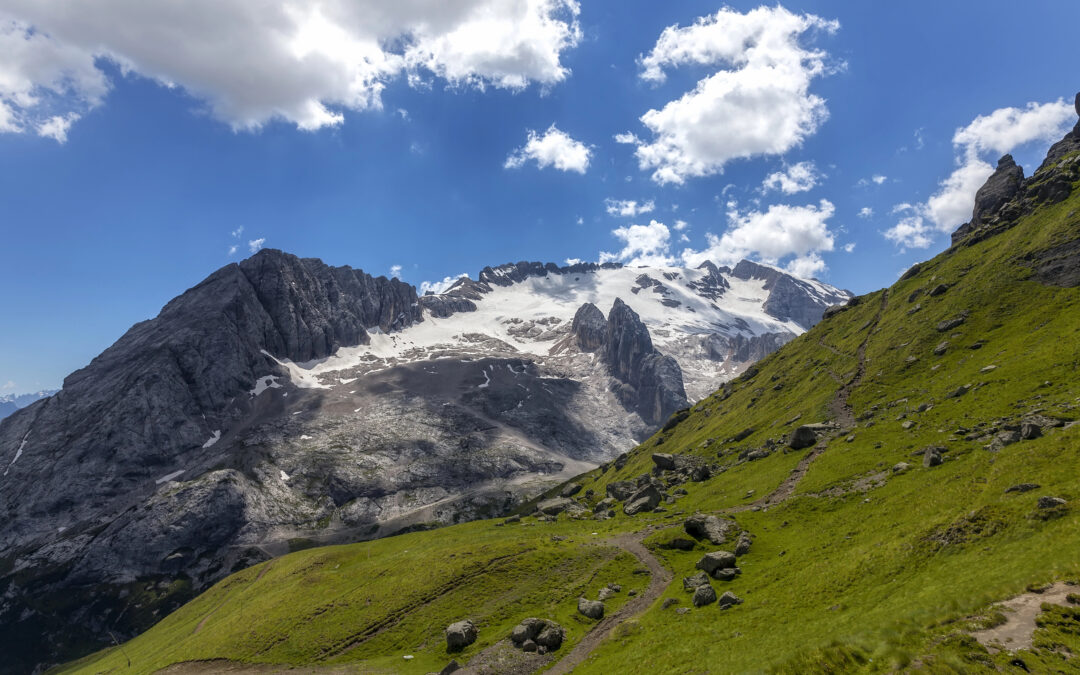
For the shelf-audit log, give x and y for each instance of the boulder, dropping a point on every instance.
(729, 599)
(679, 543)
(959, 391)
(554, 506)
(942, 347)
(646, 499)
(708, 527)
(460, 635)
(802, 437)
(1023, 487)
(551, 638)
(668, 603)
(949, 324)
(570, 490)
(704, 595)
(726, 573)
(605, 594)
(1029, 431)
(664, 461)
(451, 667)
(1051, 502)
(710, 562)
(528, 646)
(900, 467)
(593, 609)
(620, 489)
(604, 504)
(528, 629)
(743, 545)
(931, 457)
(938, 290)
(699, 579)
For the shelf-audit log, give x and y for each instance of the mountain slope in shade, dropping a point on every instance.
(9, 403)
(282, 403)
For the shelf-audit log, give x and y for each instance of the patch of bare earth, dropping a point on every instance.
(1020, 613)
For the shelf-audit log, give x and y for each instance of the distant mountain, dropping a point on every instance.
(283, 402)
(9, 403)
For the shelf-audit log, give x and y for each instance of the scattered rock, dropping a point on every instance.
(645, 499)
(690, 583)
(704, 595)
(743, 545)
(554, 506)
(532, 634)
(551, 638)
(605, 594)
(987, 369)
(451, 667)
(726, 573)
(593, 609)
(1023, 487)
(1051, 502)
(909, 424)
(729, 599)
(460, 635)
(682, 610)
(802, 437)
(959, 391)
(668, 603)
(513, 519)
(570, 490)
(604, 504)
(938, 290)
(708, 527)
(528, 646)
(717, 560)
(1028, 431)
(664, 461)
(949, 324)
(900, 467)
(942, 347)
(931, 457)
(620, 489)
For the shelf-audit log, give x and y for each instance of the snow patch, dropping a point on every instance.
(264, 383)
(487, 381)
(301, 375)
(305, 437)
(284, 476)
(213, 439)
(168, 477)
(18, 452)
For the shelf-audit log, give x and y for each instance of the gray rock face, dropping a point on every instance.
(729, 599)
(692, 582)
(589, 327)
(789, 298)
(1051, 502)
(652, 382)
(717, 560)
(1002, 186)
(532, 633)
(645, 499)
(460, 635)
(663, 461)
(593, 609)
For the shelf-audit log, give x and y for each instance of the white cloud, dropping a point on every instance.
(255, 61)
(237, 232)
(876, 179)
(403, 113)
(642, 245)
(791, 236)
(10, 384)
(395, 271)
(555, 148)
(796, 178)
(580, 220)
(849, 248)
(680, 225)
(797, 234)
(866, 212)
(56, 127)
(627, 138)
(255, 244)
(628, 208)
(757, 103)
(572, 261)
(232, 250)
(997, 133)
(440, 286)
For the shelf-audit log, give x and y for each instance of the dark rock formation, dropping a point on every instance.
(652, 383)
(460, 635)
(589, 327)
(713, 285)
(790, 299)
(593, 609)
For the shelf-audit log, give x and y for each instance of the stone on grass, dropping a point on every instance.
(669, 603)
(801, 437)
(717, 560)
(664, 461)
(1051, 502)
(729, 599)
(605, 594)
(593, 609)
(646, 499)
(451, 667)
(743, 545)
(1023, 487)
(959, 391)
(931, 457)
(900, 467)
(554, 506)
(551, 638)
(1029, 430)
(570, 489)
(704, 595)
(460, 635)
(620, 489)
(679, 543)
(699, 579)
(708, 527)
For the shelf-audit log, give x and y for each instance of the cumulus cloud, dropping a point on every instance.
(680, 225)
(256, 244)
(554, 148)
(627, 138)
(232, 250)
(395, 271)
(628, 208)
(849, 247)
(876, 179)
(866, 212)
(437, 287)
(642, 245)
(757, 103)
(796, 178)
(255, 61)
(793, 237)
(995, 134)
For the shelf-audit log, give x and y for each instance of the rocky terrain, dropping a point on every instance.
(283, 403)
(9, 403)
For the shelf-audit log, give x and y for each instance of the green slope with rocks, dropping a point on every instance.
(880, 483)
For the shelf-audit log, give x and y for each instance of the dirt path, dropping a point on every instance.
(661, 577)
(839, 409)
(1021, 613)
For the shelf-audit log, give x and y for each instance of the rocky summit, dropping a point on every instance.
(283, 403)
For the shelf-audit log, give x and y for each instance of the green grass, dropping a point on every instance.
(837, 580)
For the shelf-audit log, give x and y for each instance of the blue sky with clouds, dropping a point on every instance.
(143, 145)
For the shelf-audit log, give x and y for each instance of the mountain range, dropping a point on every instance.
(283, 403)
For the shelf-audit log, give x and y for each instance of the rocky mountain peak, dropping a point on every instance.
(589, 327)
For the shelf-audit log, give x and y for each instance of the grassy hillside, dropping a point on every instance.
(854, 566)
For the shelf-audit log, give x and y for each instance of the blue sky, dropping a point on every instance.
(136, 141)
